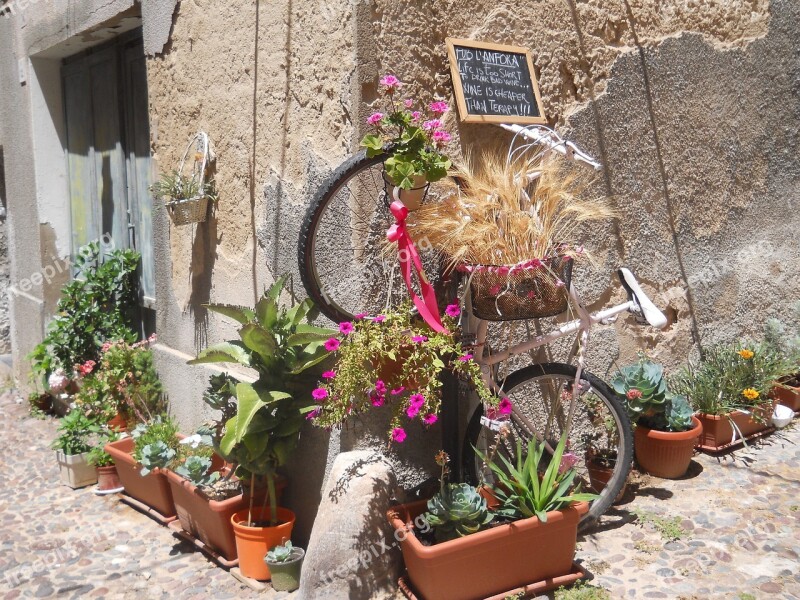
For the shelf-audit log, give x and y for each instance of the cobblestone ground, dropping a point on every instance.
(729, 529)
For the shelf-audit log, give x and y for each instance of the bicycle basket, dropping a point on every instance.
(533, 290)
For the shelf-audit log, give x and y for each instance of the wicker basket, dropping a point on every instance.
(193, 210)
(534, 291)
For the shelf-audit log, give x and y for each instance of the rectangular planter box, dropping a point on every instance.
(75, 471)
(788, 393)
(492, 561)
(718, 431)
(152, 490)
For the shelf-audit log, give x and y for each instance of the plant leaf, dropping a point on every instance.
(221, 353)
(259, 340)
(242, 314)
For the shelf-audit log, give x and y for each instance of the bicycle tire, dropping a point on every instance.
(341, 278)
(563, 372)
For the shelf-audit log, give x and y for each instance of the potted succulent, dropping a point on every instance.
(461, 547)
(412, 141)
(140, 460)
(394, 361)
(288, 353)
(729, 388)
(786, 389)
(666, 431)
(72, 448)
(285, 563)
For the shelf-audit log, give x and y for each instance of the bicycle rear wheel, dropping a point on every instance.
(541, 397)
(346, 264)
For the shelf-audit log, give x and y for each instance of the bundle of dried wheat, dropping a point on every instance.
(506, 214)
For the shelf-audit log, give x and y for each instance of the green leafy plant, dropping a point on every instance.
(648, 399)
(157, 455)
(220, 396)
(124, 382)
(98, 305)
(396, 361)
(155, 444)
(582, 591)
(411, 140)
(76, 432)
(197, 469)
(287, 352)
(176, 186)
(457, 509)
(731, 377)
(282, 553)
(530, 489)
(98, 457)
(669, 528)
(602, 440)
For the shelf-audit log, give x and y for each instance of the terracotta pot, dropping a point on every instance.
(118, 423)
(491, 561)
(75, 470)
(389, 370)
(787, 392)
(210, 520)
(666, 454)
(44, 402)
(152, 489)
(107, 478)
(718, 431)
(253, 543)
(600, 475)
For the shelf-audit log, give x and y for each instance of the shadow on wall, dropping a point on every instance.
(204, 256)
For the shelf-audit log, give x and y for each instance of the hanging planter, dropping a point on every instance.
(187, 197)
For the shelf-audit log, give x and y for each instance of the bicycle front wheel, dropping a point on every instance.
(600, 440)
(346, 264)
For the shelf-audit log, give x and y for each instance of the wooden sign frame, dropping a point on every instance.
(459, 89)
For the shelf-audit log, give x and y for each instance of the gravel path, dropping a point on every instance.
(729, 529)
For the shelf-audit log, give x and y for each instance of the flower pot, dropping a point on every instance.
(491, 561)
(718, 430)
(118, 423)
(787, 392)
(44, 402)
(413, 198)
(666, 454)
(107, 479)
(286, 575)
(600, 475)
(152, 489)
(253, 543)
(210, 520)
(76, 472)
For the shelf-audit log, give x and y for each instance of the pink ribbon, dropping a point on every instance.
(407, 253)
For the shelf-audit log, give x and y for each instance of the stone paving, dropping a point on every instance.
(736, 520)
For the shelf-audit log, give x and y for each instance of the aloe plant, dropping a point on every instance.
(288, 353)
(457, 510)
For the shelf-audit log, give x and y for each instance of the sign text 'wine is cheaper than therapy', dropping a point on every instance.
(494, 83)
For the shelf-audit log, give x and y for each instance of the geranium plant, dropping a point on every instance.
(395, 361)
(412, 139)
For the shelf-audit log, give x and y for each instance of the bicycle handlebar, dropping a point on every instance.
(539, 134)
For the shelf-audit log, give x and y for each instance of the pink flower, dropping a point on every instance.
(332, 345)
(377, 399)
(380, 386)
(346, 327)
(634, 394)
(419, 339)
(106, 346)
(465, 358)
(320, 394)
(452, 310)
(441, 137)
(360, 316)
(374, 118)
(329, 374)
(391, 83)
(417, 400)
(430, 419)
(313, 414)
(412, 411)
(397, 391)
(439, 107)
(494, 290)
(408, 103)
(491, 413)
(398, 435)
(504, 406)
(432, 124)
(568, 460)
(379, 319)
(58, 381)
(416, 115)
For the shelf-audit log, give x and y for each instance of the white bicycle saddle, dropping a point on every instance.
(645, 306)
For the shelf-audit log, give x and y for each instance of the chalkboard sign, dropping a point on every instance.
(494, 83)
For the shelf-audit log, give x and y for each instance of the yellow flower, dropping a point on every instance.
(745, 354)
(750, 393)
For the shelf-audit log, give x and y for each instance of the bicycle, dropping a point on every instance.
(349, 218)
